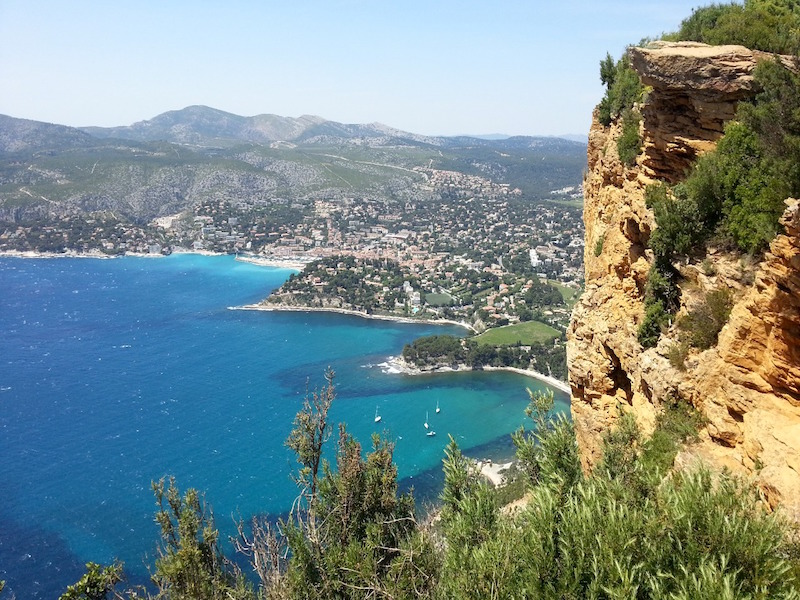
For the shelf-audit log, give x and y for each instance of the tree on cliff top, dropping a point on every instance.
(767, 25)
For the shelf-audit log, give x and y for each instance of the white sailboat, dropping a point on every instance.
(437, 406)
(431, 433)
(377, 416)
(426, 419)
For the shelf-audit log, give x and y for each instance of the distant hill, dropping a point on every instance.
(22, 135)
(204, 126)
(181, 158)
(583, 138)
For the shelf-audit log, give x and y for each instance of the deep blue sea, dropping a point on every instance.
(115, 373)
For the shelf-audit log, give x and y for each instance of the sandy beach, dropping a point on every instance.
(494, 471)
(396, 364)
(551, 381)
(69, 254)
(294, 264)
(98, 254)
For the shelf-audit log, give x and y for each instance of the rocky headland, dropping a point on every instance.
(748, 386)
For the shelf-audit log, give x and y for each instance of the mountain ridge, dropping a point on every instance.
(203, 125)
(182, 158)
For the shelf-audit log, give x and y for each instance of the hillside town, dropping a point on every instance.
(455, 246)
(480, 253)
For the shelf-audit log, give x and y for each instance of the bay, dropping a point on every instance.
(115, 373)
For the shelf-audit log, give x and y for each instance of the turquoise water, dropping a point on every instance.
(115, 373)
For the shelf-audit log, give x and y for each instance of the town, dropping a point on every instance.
(455, 246)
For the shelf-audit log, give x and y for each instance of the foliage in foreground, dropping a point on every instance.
(628, 530)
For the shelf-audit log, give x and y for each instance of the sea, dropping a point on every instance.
(117, 373)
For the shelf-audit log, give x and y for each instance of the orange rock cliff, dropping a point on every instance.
(748, 386)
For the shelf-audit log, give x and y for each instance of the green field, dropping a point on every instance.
(438, 299)
(569, 294)
(529, 332)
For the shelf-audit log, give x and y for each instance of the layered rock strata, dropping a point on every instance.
(695, 92)
(748, 386)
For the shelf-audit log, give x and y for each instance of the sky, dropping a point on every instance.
(433, 67)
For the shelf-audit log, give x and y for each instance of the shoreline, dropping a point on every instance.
(396, 364)
(68, 254)
(266, 262)
(347, 311)
(494, 472)
(101, 255)
(292, 264)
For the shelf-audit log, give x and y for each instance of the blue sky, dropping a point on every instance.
(434, 67)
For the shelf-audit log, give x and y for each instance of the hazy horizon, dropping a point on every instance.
(444, 69)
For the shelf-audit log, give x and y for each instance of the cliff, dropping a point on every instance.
(748, 386)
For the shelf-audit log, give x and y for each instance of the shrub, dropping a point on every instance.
(661, 299)
(678, 423)
(655, 319)
(703, 324)
(624, 531)
(598, 245)
(623, 88)
(768, 25)
(677, 355)
(662, 286)
(629, 143)
(680, 228)
(548, 453)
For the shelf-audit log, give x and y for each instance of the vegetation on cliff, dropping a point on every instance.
(734, 195)
(767, 25)
(623, 91)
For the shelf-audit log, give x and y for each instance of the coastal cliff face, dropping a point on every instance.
(748, 386)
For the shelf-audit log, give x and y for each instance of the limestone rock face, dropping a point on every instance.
(695, 89)
(748, 386)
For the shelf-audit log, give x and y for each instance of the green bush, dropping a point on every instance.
(623, 88)
(548, 452)
(678, 423)
(662, 286)
(625, 531)
(598, 245)
(677, 355)
(629, 143)
(703, 324)
(661, 299)
(680, 228)
(740, 187)
(655, 319)
(768, 25)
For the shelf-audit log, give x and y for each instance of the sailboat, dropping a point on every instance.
(437, 406)
(431, 433)
(426, 420)
(377, 416)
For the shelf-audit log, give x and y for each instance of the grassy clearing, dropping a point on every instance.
(529, 332)
(438, 299)
(571, 203)
(569, 294)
